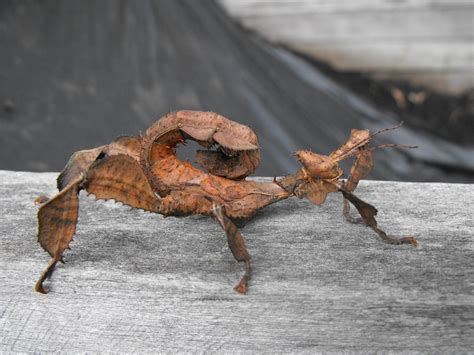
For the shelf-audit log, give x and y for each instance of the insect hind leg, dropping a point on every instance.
(45, 275)
(57, 219)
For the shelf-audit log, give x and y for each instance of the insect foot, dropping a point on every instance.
(409, 240)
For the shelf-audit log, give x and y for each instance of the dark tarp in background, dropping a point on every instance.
(76, 74)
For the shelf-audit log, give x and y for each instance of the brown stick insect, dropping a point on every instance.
(144, 172)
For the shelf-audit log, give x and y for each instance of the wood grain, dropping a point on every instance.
(135, 281)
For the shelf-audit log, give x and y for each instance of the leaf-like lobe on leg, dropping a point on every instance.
(316, 190)
(127, 145)
(361, 168)
(121, 178)
(237, 246)
(234, 238)
(366, 211)
(57, 220)
(78, 164)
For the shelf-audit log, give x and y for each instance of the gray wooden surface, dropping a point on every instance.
(135, 281)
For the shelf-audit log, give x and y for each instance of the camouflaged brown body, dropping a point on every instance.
(207, 129)
(145, 172)
(189, 190)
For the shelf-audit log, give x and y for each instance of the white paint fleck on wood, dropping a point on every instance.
(426, 41)
(137, 282)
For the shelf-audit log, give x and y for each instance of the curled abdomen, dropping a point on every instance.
(232, 149)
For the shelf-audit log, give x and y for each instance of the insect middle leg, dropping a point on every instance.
(237, 246)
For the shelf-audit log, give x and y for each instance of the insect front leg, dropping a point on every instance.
(362, 166)
(237, 246)
(368, 213)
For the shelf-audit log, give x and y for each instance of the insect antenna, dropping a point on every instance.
(388, 145)
(387, 129)
(372, 135)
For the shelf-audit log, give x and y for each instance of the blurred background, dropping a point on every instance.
(301, 73)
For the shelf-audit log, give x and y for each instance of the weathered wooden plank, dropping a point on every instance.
(385, 25)
(408, 37)
(135, 281)
(278, 7)
(396, 56)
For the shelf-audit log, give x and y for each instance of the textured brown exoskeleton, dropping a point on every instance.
(144, 172)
